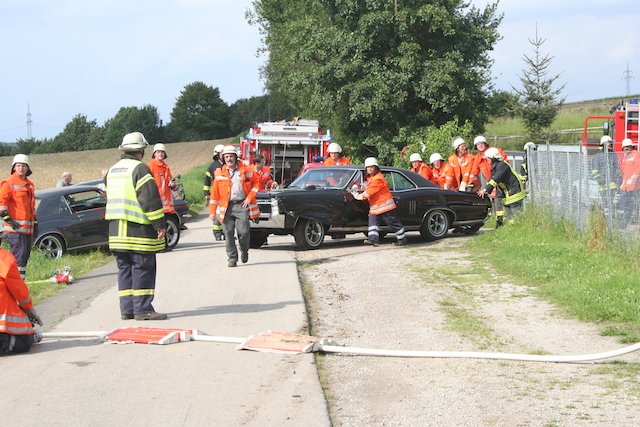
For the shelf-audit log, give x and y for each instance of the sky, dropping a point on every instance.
(67, 57)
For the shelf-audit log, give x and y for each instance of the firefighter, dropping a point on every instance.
(162, 175)
(505, 178)
(481, 174)
(419, 167)
(208, 178)
(439, 168)
(526, 167)
(17, 315)
(137, 228)
(461, 162)
(381, 205)
(630, 168)
(605, 170)
(335, 157)
(233, 203)
(263, 172)
(18, 211)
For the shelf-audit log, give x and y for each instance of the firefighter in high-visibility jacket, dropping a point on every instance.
(419, 167)
(630, 187)
(233, 203)
(461, 162)
(335, 157)
(18, 211)
(507, 180)
(206, 188)
(17, 315)
(137, 229)
(440, 169)
(381, 205)
(162, 175)
(263, 172)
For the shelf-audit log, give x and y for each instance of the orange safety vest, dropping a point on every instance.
(423, 170)
(14, 294)
(342, 162)
(630, 167)
(460, 170)
(264, 177)
(162, 175)
(17, 197)
(221, 190)
(482, 165)
(378, 194)
(440, 175)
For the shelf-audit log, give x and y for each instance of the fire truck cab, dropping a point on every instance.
(286, 146)
(621, 124)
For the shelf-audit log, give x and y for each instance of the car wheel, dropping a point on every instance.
(435, 225)
(308, 233)
(173, 232)
(52, 245)
(257, 240)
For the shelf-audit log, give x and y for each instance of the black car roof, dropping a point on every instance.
(415, 177)
(65, 190)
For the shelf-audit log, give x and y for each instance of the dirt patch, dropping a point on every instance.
(87, 165)
(430, 297)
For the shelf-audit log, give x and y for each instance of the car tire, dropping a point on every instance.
(308, 234)
(435, 225)
(257, 240)
(52, 245)
(173, 232)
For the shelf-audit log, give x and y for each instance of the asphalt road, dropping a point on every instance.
(84, 381)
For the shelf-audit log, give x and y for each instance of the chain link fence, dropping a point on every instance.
(571, 184)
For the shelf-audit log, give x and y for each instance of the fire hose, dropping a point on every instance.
(328, 346)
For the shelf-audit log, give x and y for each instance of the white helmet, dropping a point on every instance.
(435, 157)
(627, 142)
(20, 158)
(529, 145)
(415, 157)
(493, 153)
(478, 139)
(457, 142)
(229, 149)
(370, 161)
(606, 139)
(218, 149)
(134, 141)
(334, 148)
(160, 147)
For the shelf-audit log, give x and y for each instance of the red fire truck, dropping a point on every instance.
(286, 146)
(621, 124)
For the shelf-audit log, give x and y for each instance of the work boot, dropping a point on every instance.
(126, 316)
(232, 263)
(369, 242)
(152, 315)
(244, 257)
(402, 242)
(218, 238)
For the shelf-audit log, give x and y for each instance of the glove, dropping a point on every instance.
(357, 196)
(33, 316)
(14, 224)
(463, 186)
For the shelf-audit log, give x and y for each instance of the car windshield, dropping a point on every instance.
(324, 177)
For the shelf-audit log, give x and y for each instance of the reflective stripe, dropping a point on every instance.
(143, 292)
(125, 293)
(383, 207)
(122, 200)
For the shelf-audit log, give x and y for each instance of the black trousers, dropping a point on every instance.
(15, 343)
(20, 245)
(136, 281)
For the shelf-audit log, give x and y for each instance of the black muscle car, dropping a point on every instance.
(319, 203)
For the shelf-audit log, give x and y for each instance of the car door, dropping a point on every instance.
(404, 194)
(88, 208)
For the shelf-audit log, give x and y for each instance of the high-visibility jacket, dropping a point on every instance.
(14, 294)
(440, 175)
(630, 167)
(134, 209)
(162, 175)
(208, 176)
(221, 191)
(423, 170)
(460, 170)
(605, 169)
(264, 177)
(505, 178)
(18, 203)
(482, 165)
(343, 161)
(378, 195)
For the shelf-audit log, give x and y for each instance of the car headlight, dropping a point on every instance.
(275, 209)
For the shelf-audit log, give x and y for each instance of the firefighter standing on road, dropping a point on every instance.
(18, 210)
(506, 180)
(381, 205)
(630, 166)
(418, 166)
(16, 309)
(162, 175)
(461, 162)
(136, 229)
(335, 157)
(233, 203)
(206, 188)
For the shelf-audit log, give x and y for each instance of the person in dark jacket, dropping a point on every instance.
(605, 169)
(506, 180)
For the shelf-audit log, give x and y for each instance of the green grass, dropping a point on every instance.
(193, 182)
(594, 282)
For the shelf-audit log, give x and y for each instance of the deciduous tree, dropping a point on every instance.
(200, 113)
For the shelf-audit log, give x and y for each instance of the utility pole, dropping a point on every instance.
(29, 135)
(628, 76)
